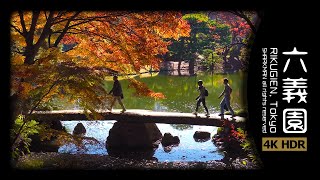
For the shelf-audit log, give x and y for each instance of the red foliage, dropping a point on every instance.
(238, 26)
(69, 39)
(231, 133)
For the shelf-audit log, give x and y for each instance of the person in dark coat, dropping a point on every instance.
(117, 94)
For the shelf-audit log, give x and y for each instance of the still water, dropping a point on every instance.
(179, 91)
(188, 149)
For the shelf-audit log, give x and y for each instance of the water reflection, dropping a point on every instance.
(187, 150)
(180, 92)
(181, 127)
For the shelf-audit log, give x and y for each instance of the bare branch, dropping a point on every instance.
(87, 19)
(64, 31)
(35, 16)
(45, 30)
(18, 30)
(45, 14)
(17, 51)
(59, 15)
(23, 24)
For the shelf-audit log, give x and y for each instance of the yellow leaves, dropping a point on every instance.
(27, 18)
(172, 26)
(74, 52)
(17, 59)
(44, 60)
(244, 162)
(18, 39)
(49, 56)
(63, 57)
(25, 89)
(50, 94)
(123, 42)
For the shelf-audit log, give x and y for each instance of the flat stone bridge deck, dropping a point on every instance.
(141, 116)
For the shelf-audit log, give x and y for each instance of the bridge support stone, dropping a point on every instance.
(133, 140)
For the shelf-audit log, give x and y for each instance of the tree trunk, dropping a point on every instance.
(179, 67)
(225, 53)
(30, 54)
(32, 49)
(191, 66)
(225, 63)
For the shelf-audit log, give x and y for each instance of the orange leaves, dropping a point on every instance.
(157, 95)
(169, 24)
(216, 36)
(67, 39)
(134, 39)
(17, 59)
(143, 90)
(25, 89)
(93, 44)
(238, 26)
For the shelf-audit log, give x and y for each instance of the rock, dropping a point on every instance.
(167, 148)
(201, 136)
(79, 129)
(37, 145)
(126, 139)
(175, 140)
(215, 138)
(57, 125)
(169, 140)
(219, 143)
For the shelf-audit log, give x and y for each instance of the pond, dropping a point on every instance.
(187, 150)
(180, 92)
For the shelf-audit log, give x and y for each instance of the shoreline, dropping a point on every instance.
(60, 161)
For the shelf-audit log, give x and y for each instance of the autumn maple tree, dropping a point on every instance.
(69, 54)
(243, 27)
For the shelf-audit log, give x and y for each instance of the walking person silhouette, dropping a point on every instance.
(226, 100)
(117, 94)
(201, 98)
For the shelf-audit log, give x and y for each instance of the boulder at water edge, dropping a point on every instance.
(169, 140)
(133, 139)
(79, 129)
(201, 136)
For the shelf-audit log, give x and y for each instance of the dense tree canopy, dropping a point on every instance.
(58, 53)
(68, 54)
(214, 37)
